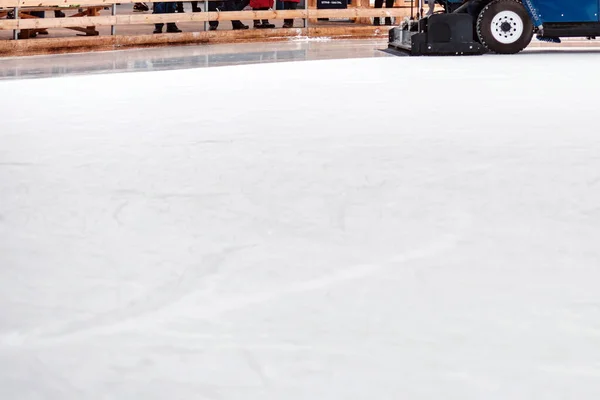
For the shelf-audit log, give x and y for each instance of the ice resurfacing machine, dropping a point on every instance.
(497, 26)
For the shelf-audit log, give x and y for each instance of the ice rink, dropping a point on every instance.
(362, 228)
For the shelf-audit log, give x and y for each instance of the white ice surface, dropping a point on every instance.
(304, 231)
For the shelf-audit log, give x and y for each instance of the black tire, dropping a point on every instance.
(505, 27)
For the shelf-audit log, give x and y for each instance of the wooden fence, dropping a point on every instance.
(87, 17)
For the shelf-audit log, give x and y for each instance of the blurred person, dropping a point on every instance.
(379, 4)
(431, 4)
(289, 5)
(227, 5)
(262, 5)
(195, 6)
(140, 7)
(165, 8)
(42, 14)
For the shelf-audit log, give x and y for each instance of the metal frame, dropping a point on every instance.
(113, 28)
(306, 19)
(16, 31)
(205, 10)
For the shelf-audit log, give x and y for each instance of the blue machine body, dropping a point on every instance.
(563, 10)
(453, 31)
(544, 11)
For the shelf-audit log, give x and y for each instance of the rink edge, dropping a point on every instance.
(62, 45)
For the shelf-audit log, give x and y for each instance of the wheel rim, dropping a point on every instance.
(507, 27)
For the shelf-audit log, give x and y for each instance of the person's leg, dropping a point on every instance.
(171, 26)
(257, 22)
(389, 4)
(431, 4)
(231, 5)
(212, 7)
(39, 14)
(159, 8)
(378, 4)
(265, 22)
(140, 7)
(288, 5)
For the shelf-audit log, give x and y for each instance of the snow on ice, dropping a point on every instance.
(387, 228)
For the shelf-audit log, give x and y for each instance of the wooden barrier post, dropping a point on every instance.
(362, 4)
(312, 5)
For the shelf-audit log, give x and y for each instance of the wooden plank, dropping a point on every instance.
(364, 4)
(141, 19)
(104, 43)
(312, 5)
(360, 13)
(67, 3)
(349, 32)
(48, 8)
(8, 24)
(9, 3)
(252, 15)
(89, 31)
(83, 3)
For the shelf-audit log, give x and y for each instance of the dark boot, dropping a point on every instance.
(267, 25)
(388, 21)
(289, 22)
(265, 22)
(140, 7)
(237, 25)
(195, 7)
(172, 28)
(180, 7)
(376, 21)
(158, 28)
